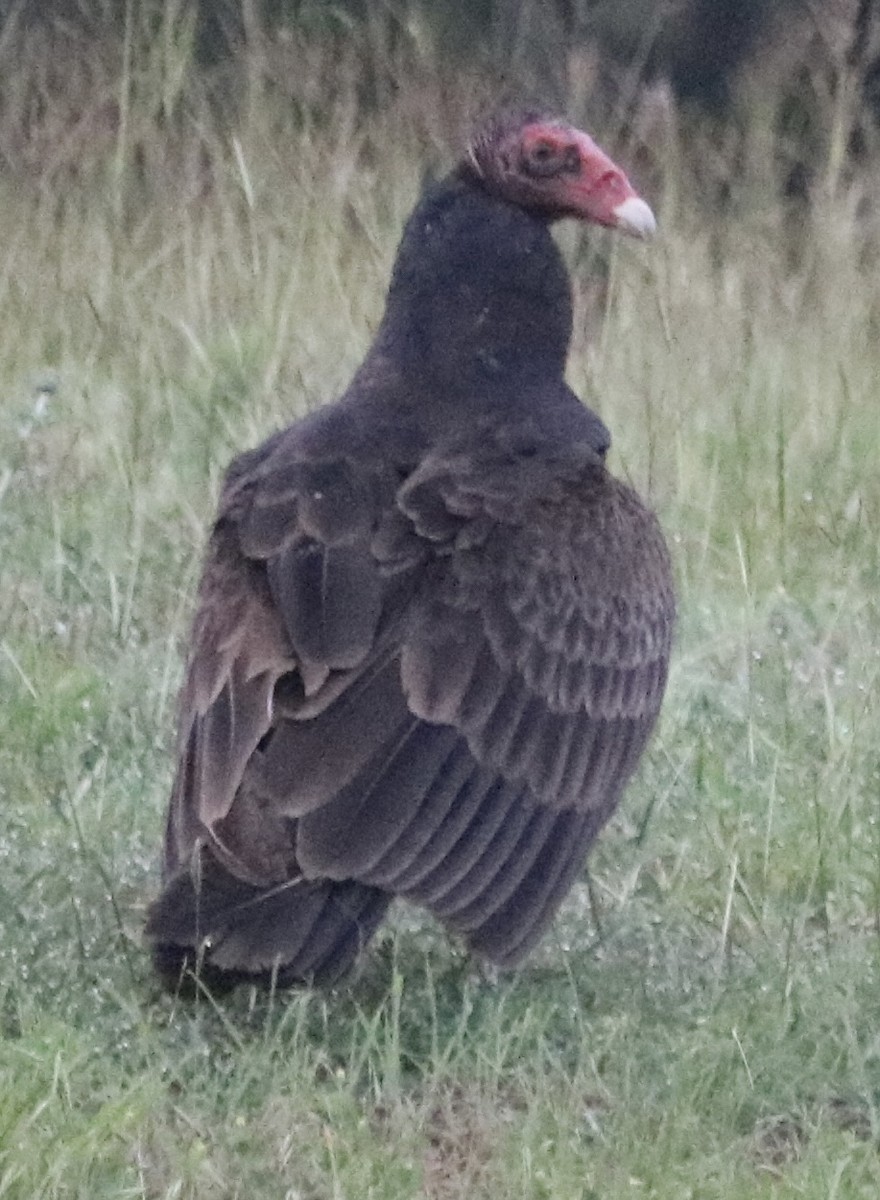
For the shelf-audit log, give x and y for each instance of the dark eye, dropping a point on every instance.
(542, 160)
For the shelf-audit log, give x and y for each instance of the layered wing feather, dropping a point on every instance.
(544, 637)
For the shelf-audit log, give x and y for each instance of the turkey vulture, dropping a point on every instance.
(432, 630)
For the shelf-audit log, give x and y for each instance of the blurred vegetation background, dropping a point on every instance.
(807, 72)
(199, 207)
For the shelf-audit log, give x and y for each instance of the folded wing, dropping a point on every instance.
(436, 688)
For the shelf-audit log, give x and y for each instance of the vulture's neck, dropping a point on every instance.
(480, 299)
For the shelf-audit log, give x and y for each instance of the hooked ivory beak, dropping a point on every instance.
(633, 216)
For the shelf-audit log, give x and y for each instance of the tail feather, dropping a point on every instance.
(226, 931)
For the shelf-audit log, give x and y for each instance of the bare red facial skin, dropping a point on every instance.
(571, 176)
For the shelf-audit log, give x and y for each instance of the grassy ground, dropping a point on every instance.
(703, 1021)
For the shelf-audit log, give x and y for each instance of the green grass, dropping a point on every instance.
(703, 1020)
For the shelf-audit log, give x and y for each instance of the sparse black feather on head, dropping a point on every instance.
(432, 630)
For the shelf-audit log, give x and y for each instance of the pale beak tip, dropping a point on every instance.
(634, 216)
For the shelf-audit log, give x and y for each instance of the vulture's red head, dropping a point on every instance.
(549, 167)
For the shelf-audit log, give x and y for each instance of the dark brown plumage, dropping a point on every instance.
(432, 631)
